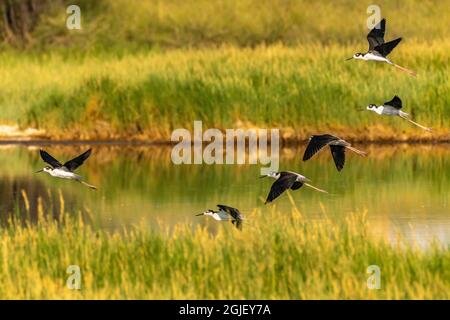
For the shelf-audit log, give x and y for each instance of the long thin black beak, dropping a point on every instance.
(349, 59)
(39, 171)
(262, 177)
(200, 214)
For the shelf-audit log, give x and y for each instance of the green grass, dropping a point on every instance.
(300, 89)
(276, 256)
(134, 24)
(229, 63)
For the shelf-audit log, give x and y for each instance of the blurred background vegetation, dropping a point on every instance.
(144, 67)
(133, 24)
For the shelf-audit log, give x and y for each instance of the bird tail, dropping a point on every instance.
(415, 123)
(408, 71)
(88, 185)
(315, 188)
(359, 152)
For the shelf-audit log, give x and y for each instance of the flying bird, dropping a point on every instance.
(286, 180)
(337, 148)
(65, 171)
(225, 213)
(378, 49)
(393, 108)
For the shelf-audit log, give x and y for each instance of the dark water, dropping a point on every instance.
(403, 188)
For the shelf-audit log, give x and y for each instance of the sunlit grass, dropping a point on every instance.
(136, 24)
(276, 256)
(270, 63)
(300, 90)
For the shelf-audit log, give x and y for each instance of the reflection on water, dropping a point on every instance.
(404, 188)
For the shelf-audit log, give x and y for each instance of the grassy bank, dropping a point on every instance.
(119, 24)
(276, 256)
(300, 90)
(232, 64)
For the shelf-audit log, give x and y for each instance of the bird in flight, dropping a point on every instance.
(378, 49)
(337, 148)
(286, 180)
(225, 213)
(393, 108)
(65, 171)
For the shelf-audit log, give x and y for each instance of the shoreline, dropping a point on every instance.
(288, 136)
(165, 143)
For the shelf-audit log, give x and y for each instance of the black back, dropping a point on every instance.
(376, 35)
(316, 143)
(338, 153)
(386, 48)
(396, 102)
(284, 182)
(49, 159)
(297, 185)
(71, 165)
(233, 212)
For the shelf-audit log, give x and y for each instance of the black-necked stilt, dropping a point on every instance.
(225, 213)
(286, 180)
(337, 148)
(378, 49)
(65, 171)
(392, 108)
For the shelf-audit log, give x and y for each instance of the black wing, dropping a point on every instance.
(297, 185)
(49, 159)
(376, 35)
(338, 153)
(396, 102)
(316, 143)
(387, 47)
(233, 212)
(78, 161)
(284, 182)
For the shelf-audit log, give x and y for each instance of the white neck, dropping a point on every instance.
(373, 57)
(378, 109)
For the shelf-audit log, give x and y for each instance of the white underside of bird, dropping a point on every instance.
(219, 216)
(373, 57)
(390, 111)
(63, 174)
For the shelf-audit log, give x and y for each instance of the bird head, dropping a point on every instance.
(357, 56)
(209, 212)
(47, 169)
(271, 174)
(371, 107)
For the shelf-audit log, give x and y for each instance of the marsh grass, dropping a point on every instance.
(136, 24)
(229, 63)
(276, 256)
(299, 90)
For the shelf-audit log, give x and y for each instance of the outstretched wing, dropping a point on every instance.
(297, 185)
(78, 161)
(49, 159)
(376, 35)
(387, 47)
(233, 212)
(283, 183)
(316, 143)
(338, 153)
(396, 102)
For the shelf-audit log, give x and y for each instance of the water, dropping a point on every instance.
(403, 188)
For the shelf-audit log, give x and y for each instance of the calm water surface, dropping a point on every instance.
(405, 189)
